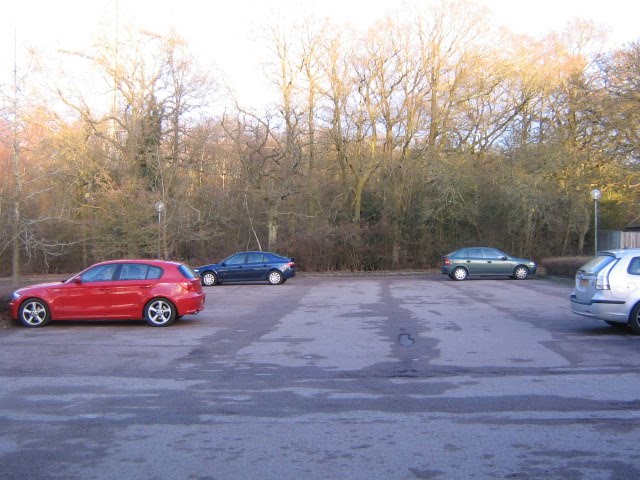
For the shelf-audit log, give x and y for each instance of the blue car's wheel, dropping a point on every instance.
(209, 279)
(275, 277)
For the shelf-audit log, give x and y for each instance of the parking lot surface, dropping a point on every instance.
(325, 378)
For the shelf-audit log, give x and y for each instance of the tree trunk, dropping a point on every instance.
(15, 242)
(15, 247)
(272, 227)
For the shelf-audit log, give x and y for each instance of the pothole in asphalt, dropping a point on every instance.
(405, 340)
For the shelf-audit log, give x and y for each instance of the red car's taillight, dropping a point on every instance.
(191, 286)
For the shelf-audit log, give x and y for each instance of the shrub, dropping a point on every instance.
(563, 266)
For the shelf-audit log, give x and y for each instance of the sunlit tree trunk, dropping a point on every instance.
(17, 181)
(15, 243)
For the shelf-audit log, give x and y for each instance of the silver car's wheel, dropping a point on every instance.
(521, 272)
(34, 313)
(275, 277)
(634, 319)
(159, 312)
(460, 273)
(209, 279)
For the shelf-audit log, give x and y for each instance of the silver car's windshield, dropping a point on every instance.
(597, 263)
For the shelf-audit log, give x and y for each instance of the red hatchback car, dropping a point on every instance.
(154, 290)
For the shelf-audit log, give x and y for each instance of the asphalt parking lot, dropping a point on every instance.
(324, 378)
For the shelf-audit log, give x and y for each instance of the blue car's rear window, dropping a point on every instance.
(187, 272)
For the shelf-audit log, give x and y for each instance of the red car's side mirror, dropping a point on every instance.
(77, 280)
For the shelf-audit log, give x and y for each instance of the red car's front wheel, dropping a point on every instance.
(34, 313)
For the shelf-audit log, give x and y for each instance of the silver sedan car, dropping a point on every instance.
(608, 288)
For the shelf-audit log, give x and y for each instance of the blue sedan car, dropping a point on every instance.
(248, 267)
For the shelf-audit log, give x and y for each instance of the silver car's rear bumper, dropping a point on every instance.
(610, 310)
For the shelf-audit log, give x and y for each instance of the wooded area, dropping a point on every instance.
(386, 149)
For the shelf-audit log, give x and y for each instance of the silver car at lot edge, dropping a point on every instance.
(608, 288)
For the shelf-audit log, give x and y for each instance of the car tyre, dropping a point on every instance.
(275, 277)
(160, 312)
(521, 272)
(634, 319)
(34, 313)
(209, 279)
(460, 273)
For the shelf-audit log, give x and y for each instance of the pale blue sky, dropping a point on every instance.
(223, 32)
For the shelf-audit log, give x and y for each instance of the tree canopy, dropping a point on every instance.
(386, 148)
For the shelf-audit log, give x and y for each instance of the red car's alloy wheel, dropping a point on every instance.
(159, 312)
(34, 313)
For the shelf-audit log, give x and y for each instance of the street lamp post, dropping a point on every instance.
(595, 196)
(160, 207)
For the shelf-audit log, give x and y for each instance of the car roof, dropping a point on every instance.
(139, 260)
(260, 251)
(256, 251)
(621, 252)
